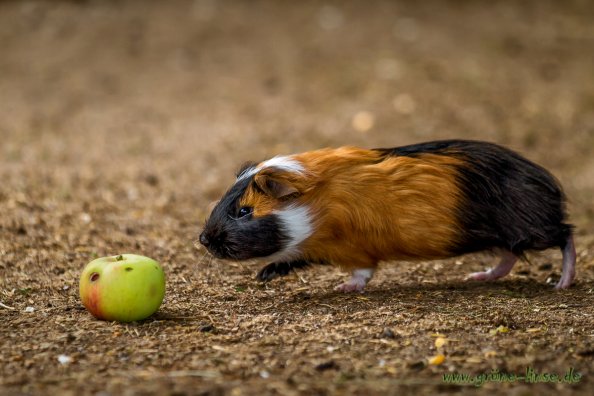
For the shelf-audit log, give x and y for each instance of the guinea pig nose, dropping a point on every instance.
(204, 240)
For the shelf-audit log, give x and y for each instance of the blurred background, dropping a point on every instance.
(131, 116)
(120, 121)
(190, 89)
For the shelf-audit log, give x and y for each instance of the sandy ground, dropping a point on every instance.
(121, 121)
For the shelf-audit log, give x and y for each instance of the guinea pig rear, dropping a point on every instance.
(508, 203)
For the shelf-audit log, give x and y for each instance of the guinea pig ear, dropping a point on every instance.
(276, 184)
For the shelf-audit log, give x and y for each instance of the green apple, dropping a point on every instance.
(125, 288)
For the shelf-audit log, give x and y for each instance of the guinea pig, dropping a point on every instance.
(354, 207)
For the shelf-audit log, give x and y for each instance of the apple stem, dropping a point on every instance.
(119, 257)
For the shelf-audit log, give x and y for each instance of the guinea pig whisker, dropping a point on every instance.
(202, 258)
(243, 267)
(197, 244)
(208, 271)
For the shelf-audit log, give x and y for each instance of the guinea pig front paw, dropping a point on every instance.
(275, 270)
(268, 273)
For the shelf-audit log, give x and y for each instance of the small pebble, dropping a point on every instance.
(388, 333)
(331, 364)
(64, 359)
(419, 365)
(206, 328)
(29, 309)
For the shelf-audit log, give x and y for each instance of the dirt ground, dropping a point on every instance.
(120, 121)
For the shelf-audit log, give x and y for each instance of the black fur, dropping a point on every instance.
(509, 202)
(274, 270)
(227, 236)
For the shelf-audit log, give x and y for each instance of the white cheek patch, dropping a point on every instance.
(295, 222)
(281, 162)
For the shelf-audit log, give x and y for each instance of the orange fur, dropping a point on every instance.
(262, 204)
(367, 209)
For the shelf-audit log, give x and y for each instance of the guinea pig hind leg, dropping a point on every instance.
(508, 259)
(357, 282)
(568, 265)
(275, 270)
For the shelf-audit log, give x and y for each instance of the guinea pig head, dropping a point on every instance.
(261, 215)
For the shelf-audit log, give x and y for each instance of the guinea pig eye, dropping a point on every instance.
(244, 211)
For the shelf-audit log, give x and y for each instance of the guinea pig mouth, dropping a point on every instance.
(217, 252)
(224, 253)
(234, 247)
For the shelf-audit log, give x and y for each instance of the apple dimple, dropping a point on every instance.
(94, 276)
(128, 269)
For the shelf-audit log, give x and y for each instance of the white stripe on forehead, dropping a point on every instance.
(285, 163)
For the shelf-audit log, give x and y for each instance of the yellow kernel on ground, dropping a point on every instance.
(440, 341)
(437, 360)
(500, 329)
